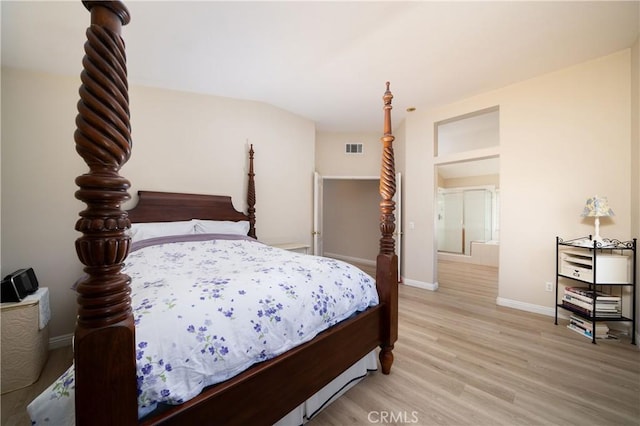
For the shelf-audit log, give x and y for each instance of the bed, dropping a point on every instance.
(107, 341)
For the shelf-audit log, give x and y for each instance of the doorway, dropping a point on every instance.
(466, 155)
(347, 219)
(468, 245)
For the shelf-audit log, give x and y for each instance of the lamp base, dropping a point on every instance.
(596, 235)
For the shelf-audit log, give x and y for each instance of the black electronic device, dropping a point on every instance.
(17, 285)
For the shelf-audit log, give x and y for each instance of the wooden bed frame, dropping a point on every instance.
(104, 346)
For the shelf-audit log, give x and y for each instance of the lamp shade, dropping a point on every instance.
(597, 207)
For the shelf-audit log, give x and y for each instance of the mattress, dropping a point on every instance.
(225, 303)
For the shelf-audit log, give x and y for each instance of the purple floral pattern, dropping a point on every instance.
(62, 387)
(207, 310)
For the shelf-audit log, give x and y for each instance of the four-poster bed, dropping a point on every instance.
(107, 346)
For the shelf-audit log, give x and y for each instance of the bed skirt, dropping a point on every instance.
(325, 396)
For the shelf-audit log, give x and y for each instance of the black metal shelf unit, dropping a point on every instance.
(600, 266)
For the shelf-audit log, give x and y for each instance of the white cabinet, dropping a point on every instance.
(610, 268)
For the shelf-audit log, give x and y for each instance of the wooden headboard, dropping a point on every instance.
(170, 206)
(156, 206)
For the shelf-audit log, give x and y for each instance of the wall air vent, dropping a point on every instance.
(353, 148)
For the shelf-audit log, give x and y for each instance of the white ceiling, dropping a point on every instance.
(328, 61)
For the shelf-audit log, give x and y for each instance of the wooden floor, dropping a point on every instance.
(462, 360)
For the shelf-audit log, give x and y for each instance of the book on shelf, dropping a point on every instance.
(588, 324)
(580, 299)
(585, 333)
(588, 312)
(600, 307)
(585, 327)
(576, 308)
(586, 295)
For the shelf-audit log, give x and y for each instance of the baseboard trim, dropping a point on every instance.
(60, 341)
(528, 307)
(420, 284)
(350, 259)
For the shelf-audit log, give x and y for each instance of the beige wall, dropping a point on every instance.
(181, 142)
(331, 159)
(351, 218)
(39, 165)
(564, 136)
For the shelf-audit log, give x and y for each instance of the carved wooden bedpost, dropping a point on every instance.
(387, 261)
(251, 197)
(105, 384)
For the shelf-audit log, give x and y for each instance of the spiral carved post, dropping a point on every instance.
(251, 197)
(387, 261)
(105, 384)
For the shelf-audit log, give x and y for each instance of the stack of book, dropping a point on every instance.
(580, 299)
(585, 327)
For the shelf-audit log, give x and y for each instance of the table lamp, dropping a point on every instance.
(597, 207)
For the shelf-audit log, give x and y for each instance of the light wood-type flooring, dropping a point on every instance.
(462, 360)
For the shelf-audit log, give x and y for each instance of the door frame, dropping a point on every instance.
(318, 223)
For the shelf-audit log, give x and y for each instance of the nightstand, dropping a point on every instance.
(25, 340)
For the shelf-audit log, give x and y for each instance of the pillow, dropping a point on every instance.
(221, 227)
(144, 231)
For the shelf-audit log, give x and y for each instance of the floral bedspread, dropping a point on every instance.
(207, 310)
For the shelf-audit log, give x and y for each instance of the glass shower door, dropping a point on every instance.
(450, 222)
(464, 215)
(477, 217)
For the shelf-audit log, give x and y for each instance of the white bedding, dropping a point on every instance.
(207, 310)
